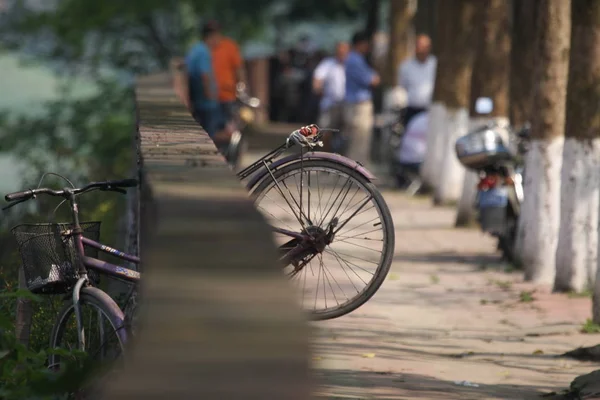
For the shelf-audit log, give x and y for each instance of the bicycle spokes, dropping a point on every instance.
(343, 240)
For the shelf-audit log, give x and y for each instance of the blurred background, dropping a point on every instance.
(76, 51)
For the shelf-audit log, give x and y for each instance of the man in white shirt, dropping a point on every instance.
(329, 81)
(417, 76)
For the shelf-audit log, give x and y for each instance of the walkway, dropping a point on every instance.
(449, 312)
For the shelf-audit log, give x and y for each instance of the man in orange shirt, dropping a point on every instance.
(228, 67)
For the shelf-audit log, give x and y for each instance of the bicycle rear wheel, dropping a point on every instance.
(104, 332)
(348, 223)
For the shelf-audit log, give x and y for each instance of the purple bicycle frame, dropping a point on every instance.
(104, 267)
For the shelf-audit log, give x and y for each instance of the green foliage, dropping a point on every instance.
(590, 327)
(135, 35)
(586, 293)
(315, 9)
(526, 296)
(143, 35)
(75, 134)
(86, 140)
(24, 372)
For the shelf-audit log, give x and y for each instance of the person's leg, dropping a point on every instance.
(225, 116)
(349, 127)
(337, 122)
(324, 121)
(208, 118)
(361, 118)
(227, 110)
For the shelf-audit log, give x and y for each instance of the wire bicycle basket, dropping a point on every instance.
(49, 255)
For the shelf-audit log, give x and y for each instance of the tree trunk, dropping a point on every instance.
(576, 258)
(425, 20)
(372, 28)
(373, 7)
(24, 314)
(540, 214)
(449, 117)
(522, 60)
(490, 79)
(401, 32)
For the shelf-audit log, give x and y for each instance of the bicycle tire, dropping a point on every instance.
(383, 268)
(100, 300)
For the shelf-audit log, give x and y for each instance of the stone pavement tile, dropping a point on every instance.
(449, 311)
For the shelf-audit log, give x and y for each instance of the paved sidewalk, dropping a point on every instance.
(449, 312)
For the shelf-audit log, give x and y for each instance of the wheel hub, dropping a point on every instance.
(318, 238)
(315, 242)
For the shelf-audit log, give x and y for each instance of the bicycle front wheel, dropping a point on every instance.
(103, 331)
(347, 231)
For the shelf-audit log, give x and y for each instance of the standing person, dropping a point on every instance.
(329, 81)
(203, 87)
(358, 99)
(228, 67)
(417, 76)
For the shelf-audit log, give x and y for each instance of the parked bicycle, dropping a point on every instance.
(336, 235)
(62, 258)
(334, 230)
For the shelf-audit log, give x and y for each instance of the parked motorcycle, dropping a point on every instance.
(243, 115)
(496, 152)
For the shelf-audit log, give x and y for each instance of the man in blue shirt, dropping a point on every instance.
(358, 113)
(202, 86)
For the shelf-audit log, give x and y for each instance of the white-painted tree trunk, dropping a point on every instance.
(537, 235)
(466, 205)
(577, 251)
(596, 287)
(435, 144)
(451, 174)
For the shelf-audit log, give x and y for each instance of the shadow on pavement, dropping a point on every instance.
(488, 260)
(383, 385)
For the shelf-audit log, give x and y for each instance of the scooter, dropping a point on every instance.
(495, 151)
(405, 175)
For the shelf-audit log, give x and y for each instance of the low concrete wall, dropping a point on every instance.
(216, 320)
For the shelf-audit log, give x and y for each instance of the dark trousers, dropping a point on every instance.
(209, 119)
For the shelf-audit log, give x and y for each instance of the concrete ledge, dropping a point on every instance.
(217, 320)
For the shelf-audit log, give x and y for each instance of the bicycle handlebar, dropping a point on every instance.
(301, 136)
(116, 186)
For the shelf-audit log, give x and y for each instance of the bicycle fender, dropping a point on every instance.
(118, 318)
(316, 155)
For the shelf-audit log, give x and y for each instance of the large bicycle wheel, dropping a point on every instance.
(103, 328)
(348, 233)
